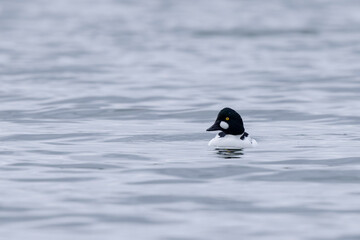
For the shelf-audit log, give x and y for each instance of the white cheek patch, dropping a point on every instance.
(224, 125)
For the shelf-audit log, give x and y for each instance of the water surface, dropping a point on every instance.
(104, 106)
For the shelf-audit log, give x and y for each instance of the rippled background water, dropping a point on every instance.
(104, 106)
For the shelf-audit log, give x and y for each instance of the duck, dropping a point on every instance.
(232, 133)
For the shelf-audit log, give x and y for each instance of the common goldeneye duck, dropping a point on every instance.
(232, 133)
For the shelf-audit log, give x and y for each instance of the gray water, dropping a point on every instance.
(104, 106)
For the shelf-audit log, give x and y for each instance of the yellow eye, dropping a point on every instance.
(227, 118)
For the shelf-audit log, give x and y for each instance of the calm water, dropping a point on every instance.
(104, 106)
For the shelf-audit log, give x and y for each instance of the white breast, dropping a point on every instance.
(232, 141)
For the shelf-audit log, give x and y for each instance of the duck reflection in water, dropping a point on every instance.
(229, 153)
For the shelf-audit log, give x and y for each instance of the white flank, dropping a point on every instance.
(232, 142)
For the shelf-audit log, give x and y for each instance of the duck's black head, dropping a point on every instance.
(228, 121)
